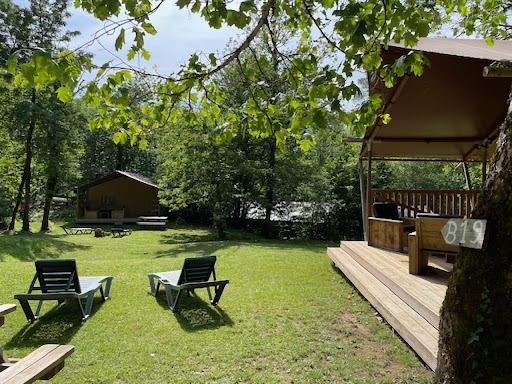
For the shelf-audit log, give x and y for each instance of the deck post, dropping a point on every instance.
(469, 184)
(484, 167)
(363, 198)
(369, 184)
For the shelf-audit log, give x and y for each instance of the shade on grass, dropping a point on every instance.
(287, 316)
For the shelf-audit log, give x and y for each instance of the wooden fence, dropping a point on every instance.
(412, 202)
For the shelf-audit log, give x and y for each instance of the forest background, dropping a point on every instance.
(205, 180)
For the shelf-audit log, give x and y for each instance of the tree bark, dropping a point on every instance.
(475, 334)
(17, 203)
(28, 163)
(50, 191)
(269, 193)
(25, 179)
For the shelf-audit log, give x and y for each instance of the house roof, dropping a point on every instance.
(476, 49)
(451, 112)
(115, 175)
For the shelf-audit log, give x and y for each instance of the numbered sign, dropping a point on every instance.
(468, 233)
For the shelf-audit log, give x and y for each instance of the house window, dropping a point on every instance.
(108, 200)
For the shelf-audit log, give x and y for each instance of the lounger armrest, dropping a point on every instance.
(47, 296)
(202, 284)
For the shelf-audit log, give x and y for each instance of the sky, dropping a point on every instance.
(179, 35)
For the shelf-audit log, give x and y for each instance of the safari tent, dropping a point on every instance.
(453, 113)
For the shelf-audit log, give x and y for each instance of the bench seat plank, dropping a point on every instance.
(43, 363)
(151, 223)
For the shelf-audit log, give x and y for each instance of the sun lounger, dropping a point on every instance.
(118, 230)
(77, 230)
(196, 273)
(58, 280)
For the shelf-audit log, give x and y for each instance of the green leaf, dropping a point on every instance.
(139, 38)
(183, 3)
(327, 4)
(305, 145)
(320, 119)
(213, 59)
(149, 28)
(143, 144)
(120, 137)
(215, 21)
(12, 63)
(131, 53)
(358, 33)
(247, 6)
(196, 7)
(64, 94)
(116, 137)
(120, 40)
(145, 54)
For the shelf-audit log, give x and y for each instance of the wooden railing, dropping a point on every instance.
(412, 202)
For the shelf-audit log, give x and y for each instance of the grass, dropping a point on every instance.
(287, 315)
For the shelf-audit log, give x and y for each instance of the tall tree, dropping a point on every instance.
(11, 154)
(58, 144)
(37, 29)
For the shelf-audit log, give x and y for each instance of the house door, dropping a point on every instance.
(155, 207)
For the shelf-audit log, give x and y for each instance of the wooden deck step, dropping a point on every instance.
(425, 294)
(410, 325)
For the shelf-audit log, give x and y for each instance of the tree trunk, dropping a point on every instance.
(50, 191)
(28, 163)
(26, 210)
(269, 193)
(17, 203)
(475, 334)
(45, 222)
(25, 179)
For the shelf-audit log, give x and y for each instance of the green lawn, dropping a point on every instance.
(287, 315)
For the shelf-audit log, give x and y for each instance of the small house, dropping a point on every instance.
(118, 196)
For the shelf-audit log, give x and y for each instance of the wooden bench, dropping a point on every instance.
(426, 240)
(42, 364)
(150, 222)
(4, 310)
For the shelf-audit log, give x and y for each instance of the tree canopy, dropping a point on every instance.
(327, 43)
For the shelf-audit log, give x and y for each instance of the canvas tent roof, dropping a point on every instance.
(449, 113)
(115, 175)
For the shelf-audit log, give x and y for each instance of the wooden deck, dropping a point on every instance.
(409, 303)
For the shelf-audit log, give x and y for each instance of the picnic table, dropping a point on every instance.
(77, 230)
(42, 364)
(152, 222)
(4, 310)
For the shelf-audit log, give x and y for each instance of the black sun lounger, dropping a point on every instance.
(58, 280)
(196, 273)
